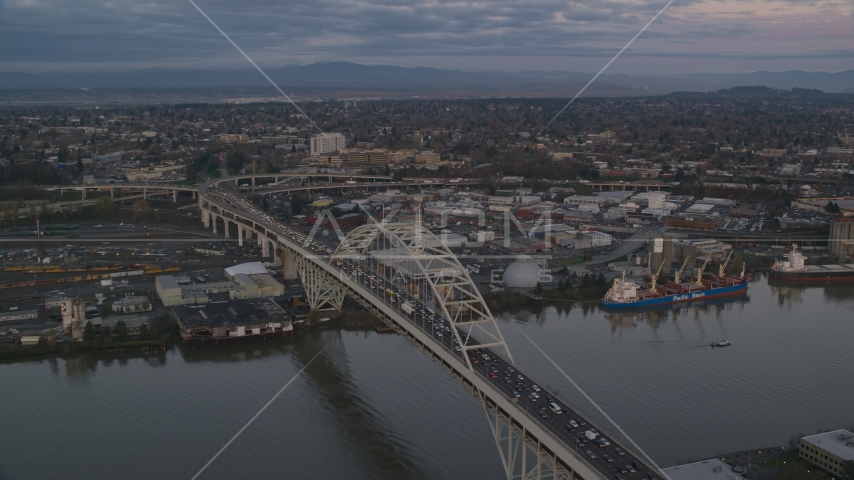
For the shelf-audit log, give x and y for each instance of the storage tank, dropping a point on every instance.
(661, 249)
(523, 273)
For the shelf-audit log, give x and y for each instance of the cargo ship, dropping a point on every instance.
(626, 294)
(794, 269)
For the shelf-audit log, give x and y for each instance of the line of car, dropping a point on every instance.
(486, 361)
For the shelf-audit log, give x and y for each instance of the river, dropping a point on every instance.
(371, 406)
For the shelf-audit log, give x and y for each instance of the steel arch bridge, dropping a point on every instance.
(416, 256)
(411, 258)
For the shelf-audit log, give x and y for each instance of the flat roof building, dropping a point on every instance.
(134, 303)
(714, 469)
(231, 320)
(587, 200)
(322, 143)
(248, 280)
(833, 452)
(17, 315)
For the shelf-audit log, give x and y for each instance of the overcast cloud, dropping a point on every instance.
(692, 36)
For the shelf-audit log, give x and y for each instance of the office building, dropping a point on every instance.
(714, 469)
(833, 452)
(323, 143)
(366, 158)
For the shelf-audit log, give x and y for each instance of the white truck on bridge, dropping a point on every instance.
(408, 308)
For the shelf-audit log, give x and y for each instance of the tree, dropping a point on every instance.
(141, 210)
(298, 201)
(51, 338)
(79, 165)
(121, 329)
(106, 333)
(88, 331)
(104, 207)
(538, 289)
(156, 326)
(493, 185)
(143, 329)
(313, 317)
(832, 207)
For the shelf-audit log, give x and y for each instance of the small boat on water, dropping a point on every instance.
(722, 343)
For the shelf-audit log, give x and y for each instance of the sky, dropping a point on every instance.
(691, 36)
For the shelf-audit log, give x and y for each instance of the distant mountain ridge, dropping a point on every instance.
(343, 76)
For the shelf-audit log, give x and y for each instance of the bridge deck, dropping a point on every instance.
(501, 380)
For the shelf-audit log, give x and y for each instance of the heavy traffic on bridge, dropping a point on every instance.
(577, 434)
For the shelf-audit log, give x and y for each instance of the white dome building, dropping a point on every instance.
(523, 273)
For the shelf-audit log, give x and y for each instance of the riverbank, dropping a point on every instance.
(60, 349)
(510, 299)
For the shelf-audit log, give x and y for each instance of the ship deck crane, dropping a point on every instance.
(700, 271)
(726, 262)
(677, 278)
(654, 279)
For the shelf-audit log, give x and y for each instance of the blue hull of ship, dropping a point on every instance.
(680, 298)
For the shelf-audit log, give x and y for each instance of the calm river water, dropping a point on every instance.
(373, 407)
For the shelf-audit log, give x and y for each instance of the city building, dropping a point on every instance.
(16, 315)
(714, 469)
(428, 157)
(132, 322)
(598, 239)
(842, 237)
(833, 452)
(691, 222)
(481, 236)
(172, 293)
(587, 200)
(230, 137)
(231, 320)
(322, 202)
(453, 240)
(366, 158)
(323, 143)
(135, 303)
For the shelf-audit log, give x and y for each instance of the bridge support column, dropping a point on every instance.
(264, 242)
(323, 292)
(174, 196)
(84, 193)
(112, 193)
(239, 235)
(289, 266)
(523, 456)
(213, 222)
(206, 218)
(144, 193)
(225, 227)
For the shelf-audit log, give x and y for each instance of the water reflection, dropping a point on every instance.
(657, 316)
(238, 352)
(794, 292)
(379, 449)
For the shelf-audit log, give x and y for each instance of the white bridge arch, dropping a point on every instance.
(415, 259)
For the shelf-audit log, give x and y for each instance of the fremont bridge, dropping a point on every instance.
(436, 306)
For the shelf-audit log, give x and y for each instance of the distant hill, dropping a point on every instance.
(756, 91)
(342, 76)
